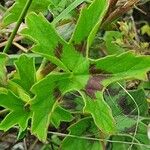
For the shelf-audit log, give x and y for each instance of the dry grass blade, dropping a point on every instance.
(119, 11)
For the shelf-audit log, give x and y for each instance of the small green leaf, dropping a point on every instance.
(25, 68)
(110, 39)
(80, 132)
(3, 77)
(14, 12)
(19, 113)
(100, 112)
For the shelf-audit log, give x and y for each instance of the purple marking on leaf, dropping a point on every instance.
(94, 85)
(80, 47)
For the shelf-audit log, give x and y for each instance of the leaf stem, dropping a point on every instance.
(20, 19)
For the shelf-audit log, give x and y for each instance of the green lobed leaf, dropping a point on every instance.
(100, 112)
(89, 17)
(13, 13)
(19, 113)
(44, 104)
(47, 41)
(70, 60)
(80, 132)
(26, 72)
(3, 77)
(124, 66)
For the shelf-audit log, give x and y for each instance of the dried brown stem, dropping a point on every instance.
(18, 38)
(119, 11)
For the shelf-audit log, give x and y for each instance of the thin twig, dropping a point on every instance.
(33, 145)
(25, 145)
(20, 47)
(18, 38)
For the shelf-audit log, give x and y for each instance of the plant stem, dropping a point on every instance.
(20, 19)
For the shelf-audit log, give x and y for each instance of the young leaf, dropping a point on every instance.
(26, 71)
(13, 13)
(19, 112)
(3, 59)
(80, 133)
(100, 112)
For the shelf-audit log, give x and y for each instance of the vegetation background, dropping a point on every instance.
(94, 41)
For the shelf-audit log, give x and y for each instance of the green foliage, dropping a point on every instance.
(13, 13)
(19, 113)
(124, 66)
(34, 98)
(90, 17)
(100, 112)
(110, 39)
(84, 128)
